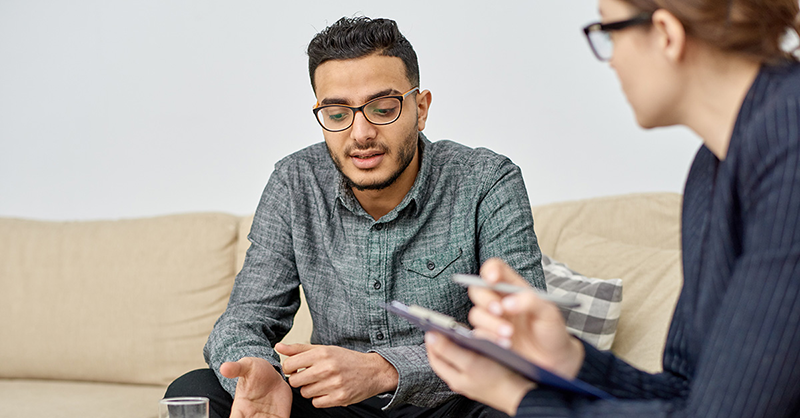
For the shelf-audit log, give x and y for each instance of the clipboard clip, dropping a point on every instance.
(436, 318)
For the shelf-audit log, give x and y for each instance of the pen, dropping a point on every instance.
(472, 280)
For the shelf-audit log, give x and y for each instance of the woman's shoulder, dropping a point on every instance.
(769, 138)
(783, 78)
(771, 112)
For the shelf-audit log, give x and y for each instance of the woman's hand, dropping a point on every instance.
(476, 376)
(530, 326)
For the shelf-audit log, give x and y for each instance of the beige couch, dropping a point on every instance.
(98, 317)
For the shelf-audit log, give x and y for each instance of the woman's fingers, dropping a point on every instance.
(476, 376)
(526, 306)
(458, 357)
(495, 270)
(486, 298)
(490, 326)
(446, 358)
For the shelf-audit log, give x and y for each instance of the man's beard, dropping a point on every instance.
(404, 157)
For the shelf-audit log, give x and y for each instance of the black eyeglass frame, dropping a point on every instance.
(357, 109)
(640, 19)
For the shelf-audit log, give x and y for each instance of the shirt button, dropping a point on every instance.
(379, 335)
(378, 227)
(431, 265)
(376, 285)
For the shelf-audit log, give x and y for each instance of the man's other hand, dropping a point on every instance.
(334, 376)
(261, 391)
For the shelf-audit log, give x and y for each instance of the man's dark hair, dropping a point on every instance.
(358, 37)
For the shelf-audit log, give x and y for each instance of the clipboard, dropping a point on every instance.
(428, 320)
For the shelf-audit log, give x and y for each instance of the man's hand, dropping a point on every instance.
(334, 376)
(261, 391)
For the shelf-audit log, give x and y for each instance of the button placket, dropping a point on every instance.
(379, 252)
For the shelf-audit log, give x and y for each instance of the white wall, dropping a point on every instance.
(127, 108)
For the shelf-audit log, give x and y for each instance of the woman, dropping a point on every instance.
(733, 348)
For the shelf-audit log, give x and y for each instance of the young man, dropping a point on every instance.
(375, 213)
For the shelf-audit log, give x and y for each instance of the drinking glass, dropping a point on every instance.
(185, 407)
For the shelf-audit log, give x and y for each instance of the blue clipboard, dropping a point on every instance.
(428, 320)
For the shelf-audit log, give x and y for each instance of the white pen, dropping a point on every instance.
(472, 280)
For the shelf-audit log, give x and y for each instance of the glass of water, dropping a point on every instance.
(185, 407)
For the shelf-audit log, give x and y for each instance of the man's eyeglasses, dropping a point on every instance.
(380, 111)
(598, 34)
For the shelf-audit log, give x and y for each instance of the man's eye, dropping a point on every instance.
(336, 114)
(384, 112)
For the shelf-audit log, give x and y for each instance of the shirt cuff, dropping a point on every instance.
(417, 384)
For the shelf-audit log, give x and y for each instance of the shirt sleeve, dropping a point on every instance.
(505, 224)
(265, 295)
(750, 362)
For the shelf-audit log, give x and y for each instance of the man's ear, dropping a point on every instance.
(423, 104)
(671, 35)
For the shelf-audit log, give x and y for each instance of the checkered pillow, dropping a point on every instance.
(595, 321)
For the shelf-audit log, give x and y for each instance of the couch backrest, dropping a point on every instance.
(133, 301)
(128, 301)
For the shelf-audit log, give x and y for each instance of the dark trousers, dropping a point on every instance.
(204, 382)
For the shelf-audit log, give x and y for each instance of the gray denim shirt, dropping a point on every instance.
(466, 206)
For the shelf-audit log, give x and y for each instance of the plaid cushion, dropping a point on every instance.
(595, 321)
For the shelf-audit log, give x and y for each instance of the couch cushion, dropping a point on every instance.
(127, 301)
(51, 399)
(595, 321)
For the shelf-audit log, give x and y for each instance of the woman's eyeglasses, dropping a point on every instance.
(599, 34)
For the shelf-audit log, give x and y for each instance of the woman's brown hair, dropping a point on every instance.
(751, 27)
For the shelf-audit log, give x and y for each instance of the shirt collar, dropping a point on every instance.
(413, 199)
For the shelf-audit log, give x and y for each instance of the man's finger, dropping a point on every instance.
(292, 349)
(325, 401)
(302, 378)
(232, 369)
(295, 359)
(315, 390)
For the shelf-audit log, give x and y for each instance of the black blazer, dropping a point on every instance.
(733, 348)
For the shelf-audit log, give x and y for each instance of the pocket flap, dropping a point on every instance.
(432, 265)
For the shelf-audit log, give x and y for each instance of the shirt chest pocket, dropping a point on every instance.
(433, 264)
(427, 282)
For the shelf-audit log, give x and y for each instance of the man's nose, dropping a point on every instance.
(362, 130)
